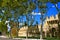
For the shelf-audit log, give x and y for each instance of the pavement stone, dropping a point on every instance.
(6, 38)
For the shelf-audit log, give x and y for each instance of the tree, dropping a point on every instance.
(29, 22)
(3, 28)
(42, 7)
(14, 29)
(22, 7)
(35, 30)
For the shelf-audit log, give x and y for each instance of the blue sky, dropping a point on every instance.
(51, 10)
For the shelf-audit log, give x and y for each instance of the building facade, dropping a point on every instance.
(49, 24)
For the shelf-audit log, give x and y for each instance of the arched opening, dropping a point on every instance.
(53, 32)
(0, 33)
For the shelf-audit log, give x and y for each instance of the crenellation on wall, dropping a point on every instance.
(50, 22)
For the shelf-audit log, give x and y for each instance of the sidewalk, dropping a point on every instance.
(27, 39)
(3, 36)
(19, 38)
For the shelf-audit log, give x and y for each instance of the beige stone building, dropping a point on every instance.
(50, 21)
(51, 24)
(22, 31)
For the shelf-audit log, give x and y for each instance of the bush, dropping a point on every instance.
(14, 32)
(53, 38)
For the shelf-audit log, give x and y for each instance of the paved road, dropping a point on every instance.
(9, 39)
(17, 39)
(6, 38)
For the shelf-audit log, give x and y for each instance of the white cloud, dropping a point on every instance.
(34, 13)
(56, 5)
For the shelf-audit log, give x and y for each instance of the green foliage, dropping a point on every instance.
(19, 7)
(43, 1)
(53, 38)
(14, 32)
(54, 1)
(3, 27)
(13, 4)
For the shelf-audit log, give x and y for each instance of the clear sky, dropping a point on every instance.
(51, 10)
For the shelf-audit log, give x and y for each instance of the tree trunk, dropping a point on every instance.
(17, 27)
(27, 33)
(41, 36)
(45, 34)
(10, 30)
(50, 35)
(41, 32)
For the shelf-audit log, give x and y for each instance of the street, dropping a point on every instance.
(6, 38)
(17, 39)
(9, 39)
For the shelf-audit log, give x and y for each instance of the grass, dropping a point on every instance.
(48, 38)
(29, 37)
(53, 38)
